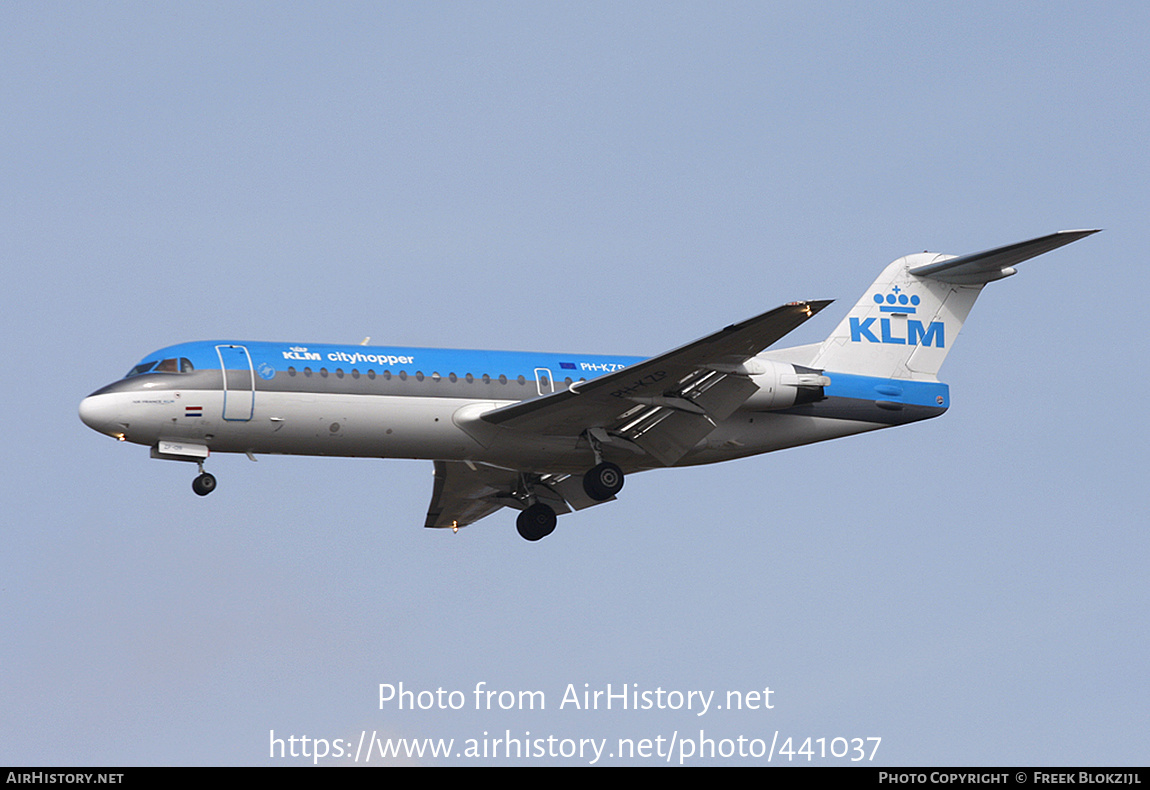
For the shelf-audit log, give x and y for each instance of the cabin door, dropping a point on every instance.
(239, 382)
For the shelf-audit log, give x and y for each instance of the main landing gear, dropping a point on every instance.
(536, 522)
(603, 481)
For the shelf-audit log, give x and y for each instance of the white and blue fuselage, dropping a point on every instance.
(546, 433)
(395, 402)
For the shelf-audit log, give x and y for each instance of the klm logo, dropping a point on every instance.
(916, 333)
(897, 303)
(301, 353)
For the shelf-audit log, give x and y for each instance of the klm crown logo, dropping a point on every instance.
(897, 302)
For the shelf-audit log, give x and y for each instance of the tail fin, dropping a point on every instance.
(906, 322)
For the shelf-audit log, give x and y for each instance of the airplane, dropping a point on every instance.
(548, 433)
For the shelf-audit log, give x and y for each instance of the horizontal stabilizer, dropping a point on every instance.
(983, 267)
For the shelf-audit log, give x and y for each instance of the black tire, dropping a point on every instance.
(604, 481)
(204, 484)
(536, 522)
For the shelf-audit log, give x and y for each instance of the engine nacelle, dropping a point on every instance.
(783, 385)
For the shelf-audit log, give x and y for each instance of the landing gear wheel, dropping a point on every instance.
(204, 484)
(536, 522)
(604, 481)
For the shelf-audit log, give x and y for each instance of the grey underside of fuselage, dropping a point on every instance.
(410, 418)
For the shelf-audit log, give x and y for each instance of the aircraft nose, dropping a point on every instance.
(99, 412)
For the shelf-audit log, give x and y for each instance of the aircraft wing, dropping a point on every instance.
(663, 406)
(460, 498)
(465, 493)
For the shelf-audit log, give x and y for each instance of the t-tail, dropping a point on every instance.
(906, 322)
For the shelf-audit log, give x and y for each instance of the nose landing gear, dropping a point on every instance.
(205, 483)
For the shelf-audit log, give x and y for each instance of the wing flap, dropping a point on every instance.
(670, 432)
(721, 394)
(673, 436)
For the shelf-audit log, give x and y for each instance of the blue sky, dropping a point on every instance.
(615, 178)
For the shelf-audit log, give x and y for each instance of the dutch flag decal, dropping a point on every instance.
(193, 411)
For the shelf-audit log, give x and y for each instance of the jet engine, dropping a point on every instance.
(783, 385)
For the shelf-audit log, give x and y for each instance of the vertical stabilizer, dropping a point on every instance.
(905, 323)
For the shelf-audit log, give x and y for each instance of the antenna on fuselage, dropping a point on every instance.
(365, 340)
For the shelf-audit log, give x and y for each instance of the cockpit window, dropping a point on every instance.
(173, 365)
(143, 367)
